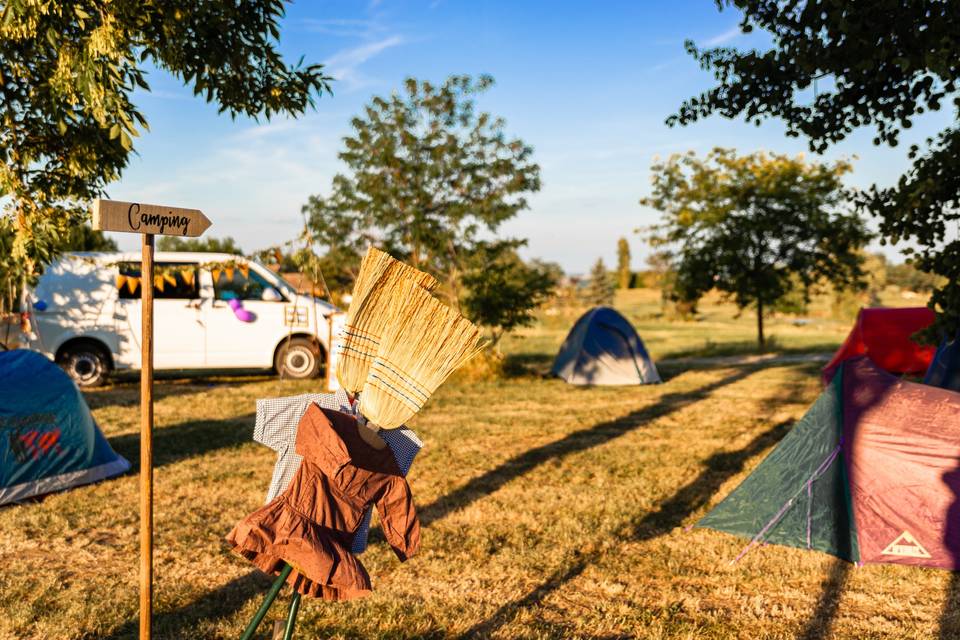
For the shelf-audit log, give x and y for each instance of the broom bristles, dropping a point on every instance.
(377, 283)
(425, 343)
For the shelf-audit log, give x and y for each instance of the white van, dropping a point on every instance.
(211, 311)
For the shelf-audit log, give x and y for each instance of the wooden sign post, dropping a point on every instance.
(148, 220)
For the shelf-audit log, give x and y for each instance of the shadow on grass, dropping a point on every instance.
(720, 467)
(671, 513)
(575, 442)
(124, 390)
(517, 365)
(746, 348)
(186, 440)
(950, 616)
(506, 613)
(818, 626)
(223, 601)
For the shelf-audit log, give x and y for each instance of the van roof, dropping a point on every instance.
(177, 256)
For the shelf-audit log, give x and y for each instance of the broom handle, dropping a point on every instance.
(271, 596)
(292, 616)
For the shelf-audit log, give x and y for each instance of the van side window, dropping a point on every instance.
(234, 283)
(177, 280)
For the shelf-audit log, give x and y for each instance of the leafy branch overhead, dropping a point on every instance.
(68, 74)
(837, 66)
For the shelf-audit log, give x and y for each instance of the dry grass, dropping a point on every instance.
(549, 512)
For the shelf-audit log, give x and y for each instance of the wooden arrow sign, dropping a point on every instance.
(135, 217)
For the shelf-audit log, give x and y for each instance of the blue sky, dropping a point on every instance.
(587, 84)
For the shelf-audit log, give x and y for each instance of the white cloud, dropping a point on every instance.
(343, 27)
(723, 38)
(345, 64)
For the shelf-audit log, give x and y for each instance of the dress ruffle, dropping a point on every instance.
(277, 533)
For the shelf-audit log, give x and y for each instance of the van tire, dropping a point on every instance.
(87, 364)
(298, 359)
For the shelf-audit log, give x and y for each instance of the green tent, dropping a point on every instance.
(870, 474)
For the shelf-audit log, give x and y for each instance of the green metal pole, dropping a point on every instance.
(292, 616)
(271, 596)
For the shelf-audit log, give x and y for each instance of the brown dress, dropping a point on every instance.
(312, 523)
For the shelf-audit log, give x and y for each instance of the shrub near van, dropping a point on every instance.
(211, 311)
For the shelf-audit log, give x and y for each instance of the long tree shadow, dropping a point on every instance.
(720, 467)
(128, 394)
(819, 623)
(505, 614)
(186, 440)
(214, 605)
(575, 442)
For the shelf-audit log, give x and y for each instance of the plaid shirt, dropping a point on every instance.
(276, 427)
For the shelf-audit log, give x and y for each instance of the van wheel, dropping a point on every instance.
(297, 358)
(86, 364)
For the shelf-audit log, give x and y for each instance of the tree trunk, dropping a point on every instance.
(760, 339)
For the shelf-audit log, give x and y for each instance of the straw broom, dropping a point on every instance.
(425, 342)
(377, 284)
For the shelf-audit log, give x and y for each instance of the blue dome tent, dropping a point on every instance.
(603, 348)
(48, 439)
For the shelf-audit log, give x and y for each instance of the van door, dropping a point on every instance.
(245, 319)
(179, 332)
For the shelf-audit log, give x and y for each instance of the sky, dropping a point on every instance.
(588, 85)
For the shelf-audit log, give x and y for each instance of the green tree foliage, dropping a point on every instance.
(624, 276)
(83, 237)
(906, 276)
(601, 287)
(203, 244)
(68, 72)
(502, 291)
(746, 225)
(879, 65)
(427, 173)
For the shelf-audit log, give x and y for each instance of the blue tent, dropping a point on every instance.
(944, 371)
(48, 439)
(603, 348)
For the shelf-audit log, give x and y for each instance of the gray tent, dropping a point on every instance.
(603, 348)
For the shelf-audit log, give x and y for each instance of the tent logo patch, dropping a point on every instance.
(905, 545)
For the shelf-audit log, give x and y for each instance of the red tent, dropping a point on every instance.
(883, 335)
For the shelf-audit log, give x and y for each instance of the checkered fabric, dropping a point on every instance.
(276, 427)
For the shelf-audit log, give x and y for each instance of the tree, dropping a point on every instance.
(906, 276)
(81, 237)
(623, 264)
(502, 291)
(427, 174)
(205, 244)
(68, 73)
(881, 65)
(745, 225)
(601, 287)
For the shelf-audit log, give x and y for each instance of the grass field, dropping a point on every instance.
(549, 512)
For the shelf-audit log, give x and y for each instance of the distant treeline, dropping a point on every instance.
(904, 275)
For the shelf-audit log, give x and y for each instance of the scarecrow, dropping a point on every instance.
(341, 455)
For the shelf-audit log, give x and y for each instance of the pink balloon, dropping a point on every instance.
(242, 314)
